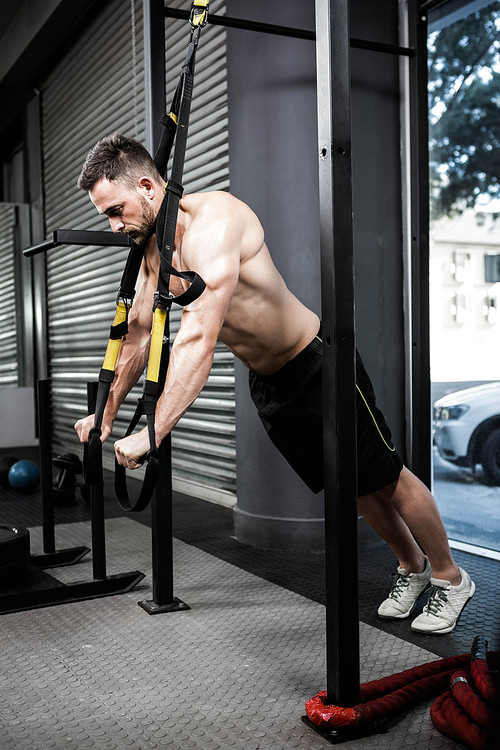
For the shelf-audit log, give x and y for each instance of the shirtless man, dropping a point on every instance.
(247, 305)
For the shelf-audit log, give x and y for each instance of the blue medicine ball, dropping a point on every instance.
(24, 476)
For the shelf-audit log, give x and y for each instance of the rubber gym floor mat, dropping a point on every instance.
(210, 528)
(234, 672)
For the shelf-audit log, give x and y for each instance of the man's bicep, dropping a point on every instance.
(141, 314)
(221, 279)
(217, 259)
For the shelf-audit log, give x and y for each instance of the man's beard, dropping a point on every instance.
(146, 226)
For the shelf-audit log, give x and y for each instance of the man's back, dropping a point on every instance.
(265, 325)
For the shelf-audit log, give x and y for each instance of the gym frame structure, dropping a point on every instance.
(333, 44)
(334, 151)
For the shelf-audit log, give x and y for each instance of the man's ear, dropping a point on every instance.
(146, 187)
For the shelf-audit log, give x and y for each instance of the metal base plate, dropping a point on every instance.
(60, 557)
(53, 592)
(336, 736)
(152, 608)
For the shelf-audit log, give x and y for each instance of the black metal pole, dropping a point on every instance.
(161, 505)
(154, 70)
(163, 600)
(45, 452)
(97, 505)
(337, 292)
(421, 453)
(161, 529)
(50, 557)
(287, 31)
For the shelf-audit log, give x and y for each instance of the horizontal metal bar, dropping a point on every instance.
(240, 23)
(85, 237)
(269, 28)
(391, 49)
(78, 237)
(42, 247)
(431, 5)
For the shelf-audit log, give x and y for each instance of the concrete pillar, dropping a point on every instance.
(272, 127)
(273, 158)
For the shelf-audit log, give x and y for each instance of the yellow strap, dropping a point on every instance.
(114, 344)
(157, 333)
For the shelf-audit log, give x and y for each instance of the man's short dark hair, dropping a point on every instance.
(117, 157)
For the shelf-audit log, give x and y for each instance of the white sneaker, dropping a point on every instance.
(446, 602)
(405, 591)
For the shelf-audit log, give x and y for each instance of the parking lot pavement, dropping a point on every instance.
(469, 506)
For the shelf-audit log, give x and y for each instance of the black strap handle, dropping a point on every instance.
(145, 406)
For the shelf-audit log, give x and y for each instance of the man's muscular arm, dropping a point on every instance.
(212, 248)
(134, 349)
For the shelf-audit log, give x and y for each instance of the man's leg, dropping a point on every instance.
(406, 516)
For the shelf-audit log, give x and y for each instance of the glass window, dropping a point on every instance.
(464, 149)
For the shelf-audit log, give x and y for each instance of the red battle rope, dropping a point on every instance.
(468, 712)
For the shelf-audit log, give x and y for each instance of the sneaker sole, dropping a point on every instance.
(444, 631)
(405, 615)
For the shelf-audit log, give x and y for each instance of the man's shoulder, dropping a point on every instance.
(213, 203)
(230, 223)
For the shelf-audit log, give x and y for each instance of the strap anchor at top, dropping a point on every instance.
(199, 13)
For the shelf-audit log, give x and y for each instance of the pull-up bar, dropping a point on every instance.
(270, 28)
(78, 237)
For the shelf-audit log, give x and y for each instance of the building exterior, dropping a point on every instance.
(465, 294)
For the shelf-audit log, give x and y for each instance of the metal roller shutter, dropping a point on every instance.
(89, 95)
(9, 372)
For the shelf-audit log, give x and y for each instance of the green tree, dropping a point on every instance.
(464, 105)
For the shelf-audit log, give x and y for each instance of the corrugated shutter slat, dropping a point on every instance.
(9, 376)
(88, 95)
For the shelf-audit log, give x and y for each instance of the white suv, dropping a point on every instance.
(467, 428)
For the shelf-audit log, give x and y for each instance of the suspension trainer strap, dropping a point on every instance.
(118, 329)
(175, 127)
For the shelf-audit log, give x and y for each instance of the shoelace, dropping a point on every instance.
(437, 600)
(400, 583)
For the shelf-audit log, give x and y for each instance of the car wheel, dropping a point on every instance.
(491, 456)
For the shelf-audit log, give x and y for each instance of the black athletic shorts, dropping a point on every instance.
(290, 405)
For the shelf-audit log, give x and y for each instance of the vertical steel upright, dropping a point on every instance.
(155, 83)
(421, 456)
(161, 504)
(97, 523)
(45, 442)
(339, 396)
